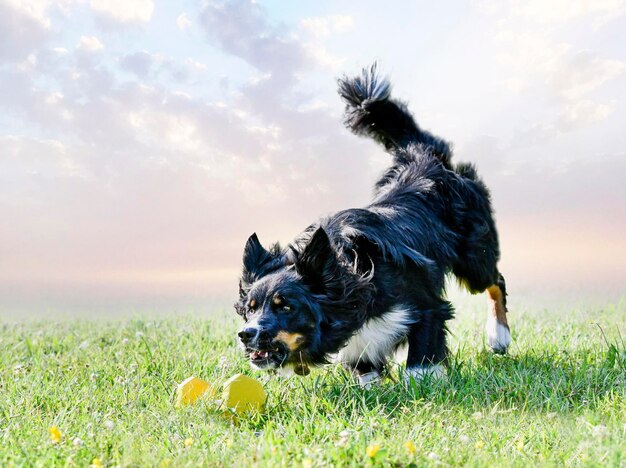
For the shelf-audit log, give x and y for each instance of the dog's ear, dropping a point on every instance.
(317, 263)
(254, 254)
(257, 262)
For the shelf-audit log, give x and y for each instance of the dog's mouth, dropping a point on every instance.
(268, 357)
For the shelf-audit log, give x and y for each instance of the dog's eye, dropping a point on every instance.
(287, 308)
(249, 313)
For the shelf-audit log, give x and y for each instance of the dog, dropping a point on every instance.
(357, 285)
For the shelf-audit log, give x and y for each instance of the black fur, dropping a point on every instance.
(428, 218)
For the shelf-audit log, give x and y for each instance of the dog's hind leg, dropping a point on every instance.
(428, 348)
(498, 333)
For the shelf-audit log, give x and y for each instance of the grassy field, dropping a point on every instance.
(109, 387)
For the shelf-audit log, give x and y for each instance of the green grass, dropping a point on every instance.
(558, 398)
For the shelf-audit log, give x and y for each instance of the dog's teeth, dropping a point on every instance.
(255, 355)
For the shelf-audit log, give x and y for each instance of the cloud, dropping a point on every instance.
(539, 64)
(320, 54)
(138, 63)
(582, 113)
(572, 116)
(23, 27)
(240, 28)
(137, 164)
(558, 187)
(195, 64)
(552, 12)
(581, 73)
(183, 22)
(570, 78)
(562, 11)
(144, 65)
(535, 58)
(33, 156)
(321, 29)
(89, 44)
(326, 26)
(124, 11)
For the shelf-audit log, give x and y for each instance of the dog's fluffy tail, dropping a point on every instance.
(371, 111)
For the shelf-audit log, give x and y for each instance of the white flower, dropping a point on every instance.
(344, 436)
(108, 424)
(120, 380)
(77, 442)
(598, 431)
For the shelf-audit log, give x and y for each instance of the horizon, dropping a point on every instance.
(143, 143)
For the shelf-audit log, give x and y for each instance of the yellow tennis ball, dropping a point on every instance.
(242, 394)
(192, 389)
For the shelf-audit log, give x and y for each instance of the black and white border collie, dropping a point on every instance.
(359, 284)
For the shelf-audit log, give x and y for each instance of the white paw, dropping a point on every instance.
(367, 380)
(498, 336)
(285, 371)
(418, 373)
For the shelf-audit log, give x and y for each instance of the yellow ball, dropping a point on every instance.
(192, 389)
(242, 394)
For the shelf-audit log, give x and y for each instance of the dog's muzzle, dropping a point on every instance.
(262, 350)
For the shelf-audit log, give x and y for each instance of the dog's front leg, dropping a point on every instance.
(366, 373)
(427, 341)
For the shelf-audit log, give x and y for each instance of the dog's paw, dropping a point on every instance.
(418, 373)
(285, 372)
(368, 379)
(498, 336)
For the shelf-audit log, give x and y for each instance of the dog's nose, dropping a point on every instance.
(247, 334)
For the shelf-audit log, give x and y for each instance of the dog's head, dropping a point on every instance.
(298, 305)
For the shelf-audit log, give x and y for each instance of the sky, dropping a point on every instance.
(142, 142)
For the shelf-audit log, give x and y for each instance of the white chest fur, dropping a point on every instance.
(377, 338)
